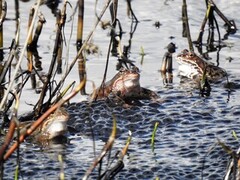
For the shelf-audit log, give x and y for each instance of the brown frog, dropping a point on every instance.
(125, 85)
(193, 67)
(55, 125)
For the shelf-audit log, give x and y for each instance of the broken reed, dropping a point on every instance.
(2, 15)
(81, 59)
(60, 45)
(112, 44)
(3, 6)
(64, 99)
(39, 121)
(17, 17)
(58, 40)
(106, 148)
(186, 29)
(29, 41)
(33, 52)
(29, 52)
(31, 45)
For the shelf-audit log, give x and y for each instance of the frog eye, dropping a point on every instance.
(185, 51)
(135, 69)
(191, 54)
(122, 70)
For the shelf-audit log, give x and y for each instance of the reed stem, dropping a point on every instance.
(11, 130)
(29, 53)
(17, 17)
(83, 47)
(3, 12)
(41, 21)
(52, 64)
(38, 122)
(81, 61)
(185, 21)
(20, 58)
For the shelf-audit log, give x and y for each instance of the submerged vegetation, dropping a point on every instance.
(122, 90)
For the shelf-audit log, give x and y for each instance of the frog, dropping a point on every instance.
(194, 67)
(125, 85)
(53, 126)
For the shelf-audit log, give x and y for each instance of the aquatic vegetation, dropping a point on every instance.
(44, 108)
(153, 135)
(95, 143)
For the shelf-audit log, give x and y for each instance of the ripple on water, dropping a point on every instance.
(186, 145)
(187, 136)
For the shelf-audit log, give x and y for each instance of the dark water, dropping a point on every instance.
(189, 125)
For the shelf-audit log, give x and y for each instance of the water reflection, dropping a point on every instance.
(166, 68)
(189, 126)
(119, 33)
(54, 146)
(52, 4)
(210, 45)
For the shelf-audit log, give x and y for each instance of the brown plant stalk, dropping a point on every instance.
(29, 41)
(38, 122)
(81, 60)
(11, 130)
(105, 149)
(11, 83)
(82, 48)
(3, 12)
(185, 19)
(53, 62)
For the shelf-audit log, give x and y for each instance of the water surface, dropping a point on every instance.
(189, 125)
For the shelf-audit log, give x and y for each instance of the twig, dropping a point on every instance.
(82, 48)
(11, 130)
(41, 119)
(106, 148)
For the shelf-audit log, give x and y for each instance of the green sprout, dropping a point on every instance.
(153, 135)
(142, 53)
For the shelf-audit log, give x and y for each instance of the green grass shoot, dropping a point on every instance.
(234, 135)
(153, 135)
(142, 53)
(16, 173)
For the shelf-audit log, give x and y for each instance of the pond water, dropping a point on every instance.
(189, 125)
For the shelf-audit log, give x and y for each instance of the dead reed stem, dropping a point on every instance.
(81, 61)
(11, 130)
(185, 21)
(39, 121)
(1, 32)
(113, 10)
(83, 47)
(30, 31)
(106, 148)
(38, 30)
(60, 44)
(17, 16)
(20, 58)
(3, 12)
(53, 62)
